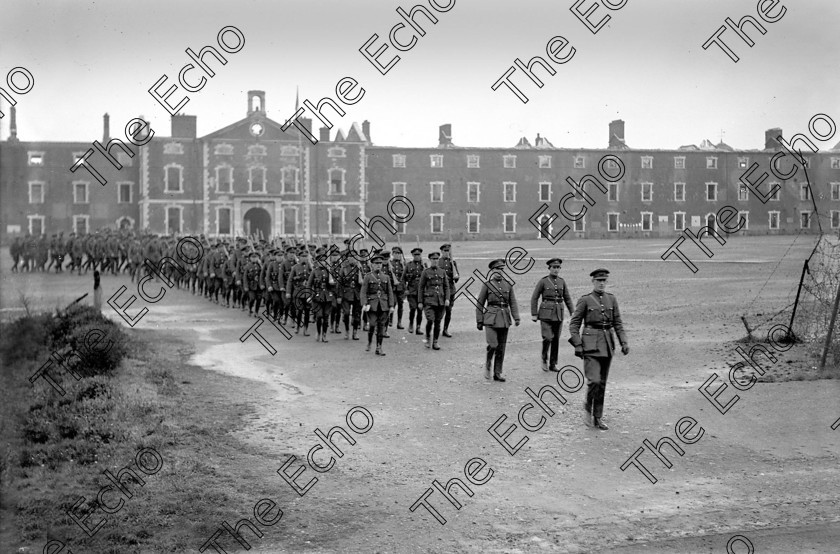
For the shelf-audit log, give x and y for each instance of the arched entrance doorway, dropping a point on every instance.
(711, 222)
(258, 222)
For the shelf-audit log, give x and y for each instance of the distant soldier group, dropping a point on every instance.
(104, 250)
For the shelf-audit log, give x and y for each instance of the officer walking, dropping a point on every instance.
(397, 269)
(552, 289)
(433, 292)
(411, 281)
(495, 318)
(378, 295)
(451, 268)
(322, 286)
(598, 311)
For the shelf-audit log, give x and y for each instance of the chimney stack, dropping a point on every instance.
(617, 134)
(324, 134)
(183, 126)
(106, 128)
(366, 130)
(13, 125)
(445, 135)
(770, 142)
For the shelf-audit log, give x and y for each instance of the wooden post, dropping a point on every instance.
(830, 329)
(747, 325)
(790, 336)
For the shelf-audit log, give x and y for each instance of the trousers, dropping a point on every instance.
(596, 369)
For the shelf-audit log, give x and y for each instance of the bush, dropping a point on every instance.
(25, 339)
(65, 322)
(109, 346)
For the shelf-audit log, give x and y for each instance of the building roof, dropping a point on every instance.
(523, 143)
(356, 134)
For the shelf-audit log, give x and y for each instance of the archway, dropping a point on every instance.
(711, 222)
(257, 222)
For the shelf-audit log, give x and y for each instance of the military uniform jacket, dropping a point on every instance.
(251, 276)
(554, 294)
(350, 282)
(501, 308)
(322, 284)
(411, 276)
(377, 291)
(274, 276)
(286, 270)
(450, 267)
(298, 278)
(434, 287)
(599, 314)
(397, 268)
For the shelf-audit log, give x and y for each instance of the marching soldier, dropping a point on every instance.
(296, 292)
(251, 284)
(350, 284)
(496, 317)
(275, 286)
(552, 289)
(321, 285)
(364, 267)
(397, 269)
(15, 250)
(285, 273)
(410, 280)
(378, 295)
(451, 269)
(598, 311)
(433, 293)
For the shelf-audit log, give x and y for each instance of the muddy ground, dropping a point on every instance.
(767, 469)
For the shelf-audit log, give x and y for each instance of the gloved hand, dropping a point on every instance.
(534, 318)
(579, 352)
(625, 349)
(480, 326)
(517, 323)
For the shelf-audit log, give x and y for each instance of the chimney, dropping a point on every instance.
(183, 126)
(324, 134)
(445, 135)
(13, 125)
(366, 130)
(106, 128)
(617, 134)
(770, 142)
(307, 124)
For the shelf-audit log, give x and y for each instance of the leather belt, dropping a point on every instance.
(599, 326)
(498, 304)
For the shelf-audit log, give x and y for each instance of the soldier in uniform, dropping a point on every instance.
(397, 269)
(410, 280)
(552, 289)
(364, 267)
(274, 285)
(285, 273)
(598, 312)
(251, 283)
(350, 285)
(296, 291)
(451, 269)
(495, 319)
(321, 285)
(15, 250)
(378, 295)
(433, 292)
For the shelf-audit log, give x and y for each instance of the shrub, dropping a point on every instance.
(106, 354)
(25, 339)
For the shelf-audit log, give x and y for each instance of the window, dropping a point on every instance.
(835, 219)
(776, 195)
(711, 162)
(509, 191)
(125, 222)
(579, 225)
(78, 158)
(125, 194)
(337, 180)
(647, 221)
(612, 192)
(173, 219)
(223, 217)
(289, 179)
(743, 193)
(545, 192)
(545, 162)
(835, 191)
(256, 179)
(289, 151)
(746, 216)
(224, 179)
(336, 221)
(743, 163)
(805, 220)
(290, 220)
(223, 150)
(80, 193)
(509, 222)
(172, 178)
(257, 150)
(774, 219)
(125, 160)
(711, 192)
(437, 192)
(612, 164)
(473, 192)
(473, 223)
(173, 148)
(580, 162)
(509, 161)
(835, 163)
(679, 162)
(647, 162)
(804, 192)
(436, 221)
(612, 221)
(398, 160)
(36, 193)
(399, 189)
(81, 224)
(647, 192)
(679, 192)
(337, 152)
(436, 160)
(679, 221)
(472, 161)
(402, 212)
(36, 158)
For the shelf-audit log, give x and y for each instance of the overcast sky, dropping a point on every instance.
(645, 66)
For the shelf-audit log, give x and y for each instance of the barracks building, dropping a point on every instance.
(253, 178)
